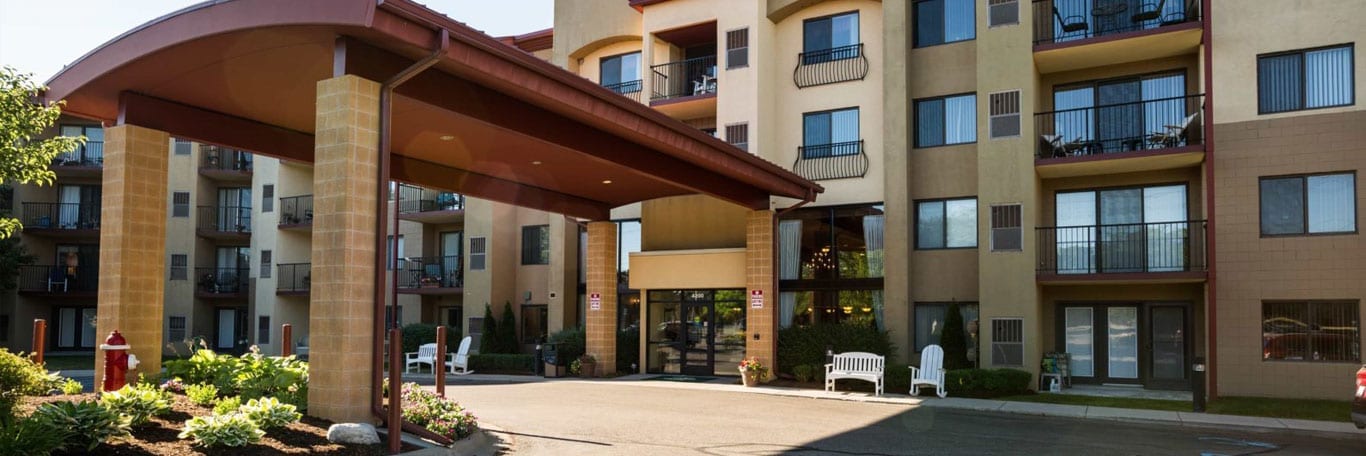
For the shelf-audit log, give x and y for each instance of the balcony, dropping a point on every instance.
(224, 223)
(223, 164)
(293, 279)
(222, 283)
(628, 89)
(85, 161)
(685, 89)
(1126, 253)
(59, 281)
(296, 213)
(829, 66)
(831, 161)
(62, 220)
(431, 275)
(1119, 138)
(424, 205)
(1075, 34)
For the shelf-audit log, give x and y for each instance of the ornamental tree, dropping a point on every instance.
(25, 158)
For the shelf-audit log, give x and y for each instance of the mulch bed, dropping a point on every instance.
(159, 437)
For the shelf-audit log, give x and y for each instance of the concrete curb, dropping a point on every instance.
(488, 441)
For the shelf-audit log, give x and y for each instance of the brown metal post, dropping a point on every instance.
(395, 392)
(286, 339)
(39, 336)
(440, 365)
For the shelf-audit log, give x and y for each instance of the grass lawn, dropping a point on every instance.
(1303, 409)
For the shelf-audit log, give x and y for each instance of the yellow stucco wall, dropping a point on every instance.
(688, 269)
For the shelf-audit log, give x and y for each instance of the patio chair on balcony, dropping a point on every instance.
(57, 279)
(1070, 24)
(705, 84)
(1148, 12)
(1173, 135)
(1056, 146)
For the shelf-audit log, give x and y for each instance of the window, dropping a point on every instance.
(628, 242)
(946, 224)
(476, 332)
(389, 321)
(263, 329)
(929, 324)
(536, 244)
(175, 329)
(265, 263)
(830, 38)
(830, 265)
(1307, 79)
(1006, 234)
(534, 323)
(944, 21)
(179, 267)
(1004, 108)
(392, 256)
(621, 72)
(737, 48)
(738, 135)
(267, 198)
(180, 204)
(830, 133)
(1317, 204)
(478, 252)
(182, 146)
(946, 120)
(1003, 12)
(1007, 342)
(1323, 331)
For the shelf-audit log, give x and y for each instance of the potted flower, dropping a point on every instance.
(587, 366)
(752, 371)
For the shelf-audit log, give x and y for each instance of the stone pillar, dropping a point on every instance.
(133, 244)
(340, 311)
(762, 339)
(601, 323)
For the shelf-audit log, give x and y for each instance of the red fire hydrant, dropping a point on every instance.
(117, 361)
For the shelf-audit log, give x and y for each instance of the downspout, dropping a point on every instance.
(392, 417)
(1211, 297)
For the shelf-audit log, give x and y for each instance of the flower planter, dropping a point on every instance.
(750, 379)
(587, 370)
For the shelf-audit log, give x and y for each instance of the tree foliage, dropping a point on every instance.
(12, 255)
(954, 340)
(489, 341)
(26, 158)
(507, 331)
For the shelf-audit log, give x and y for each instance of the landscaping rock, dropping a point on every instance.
(352, 433)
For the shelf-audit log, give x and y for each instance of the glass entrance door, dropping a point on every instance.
(1167, 326)
(698, 343)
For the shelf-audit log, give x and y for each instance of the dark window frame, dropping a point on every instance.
(730, 65)
(542, 251)
(943, 19)
(1142, 203)
(915, 121)
(263, 329)
(830, 122)
(1309, 304)
(915, 222)
(915, 314)
(180, 271)
(268, 198)
(640, 78)
(180, 210)
(1304, 179)
(831, 17)
(1304, 88)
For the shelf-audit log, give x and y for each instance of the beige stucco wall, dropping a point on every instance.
(688, 269)
(583, 25)
(1241, 33)
(691, 222)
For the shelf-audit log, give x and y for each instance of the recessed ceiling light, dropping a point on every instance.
(447, 137)
(607, 181)
(536, 162)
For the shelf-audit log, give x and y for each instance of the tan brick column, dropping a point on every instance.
(759, 275)
(133, 244)
(601, 262)
(340, 309)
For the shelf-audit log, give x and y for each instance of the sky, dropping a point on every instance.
(40, 37)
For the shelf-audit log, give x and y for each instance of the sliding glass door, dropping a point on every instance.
(1143, 229)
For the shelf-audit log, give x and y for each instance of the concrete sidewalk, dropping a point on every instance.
(1329, 429)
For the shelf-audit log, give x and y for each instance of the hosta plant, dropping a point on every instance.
(202, 394)
(232, 430)
(31, 436)
(88, 423)
(140, 403)
(71, 387)
(227, 405)
(270, 413)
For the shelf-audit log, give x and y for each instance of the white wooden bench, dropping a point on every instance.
(858, 366)
(930, 372)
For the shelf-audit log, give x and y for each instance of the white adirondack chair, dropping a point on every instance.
(461, 363)
(930, 372)
(425, 354)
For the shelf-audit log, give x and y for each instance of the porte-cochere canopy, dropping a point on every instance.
(488, 120)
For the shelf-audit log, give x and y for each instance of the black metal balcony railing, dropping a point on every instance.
(1122, 248)
(221, 280)
(1123, 127)
(294, 277)
(831, 161)
(61, 216)
(226, 219)
(58, 278)
(828, 66)
(431, 272)
(296, 210)
(90, 154)
(417, 199)
(629, 89)
(224, 159)
(684, 78)
(1058, 21)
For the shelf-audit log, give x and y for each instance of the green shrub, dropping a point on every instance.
(32, 436)
(270, 413)
(138, 402)
(251, 375)
(570, 344)
(507, 331)
(800, 345)
(71, 387)
(19, 377)
(987, 383)
(954, 340)
(205, 366)
(502, 362)
(896, 378)
(202, 394)
(804, 372)
(232, 430)
(227, 405)
(437, 414)
(88, 423)
(416, 334)
(628, 349)
(490, 341)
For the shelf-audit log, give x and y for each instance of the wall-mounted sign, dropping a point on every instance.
(595, 301)
(756, 299)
